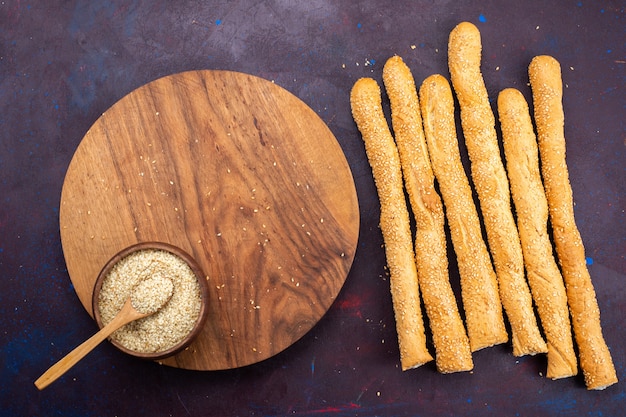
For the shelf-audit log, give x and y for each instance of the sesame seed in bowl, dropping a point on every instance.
(176, 324)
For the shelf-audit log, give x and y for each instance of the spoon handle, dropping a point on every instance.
(79, 352)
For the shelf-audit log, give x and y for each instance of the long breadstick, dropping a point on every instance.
(382, 154)
(479, 287)
(492, 187)
(544, 277)
(547, 89)
(452, 347)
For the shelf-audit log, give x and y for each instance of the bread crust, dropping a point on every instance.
(531, 207)
(382, 154)
(492, 186)
(547, 91)
(479, 287)
(450, 339)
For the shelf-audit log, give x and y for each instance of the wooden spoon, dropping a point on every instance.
(127, 314)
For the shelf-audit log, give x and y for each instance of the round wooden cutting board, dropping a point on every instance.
(240, 174)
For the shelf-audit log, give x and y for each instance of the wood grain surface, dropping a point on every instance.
(239, 173)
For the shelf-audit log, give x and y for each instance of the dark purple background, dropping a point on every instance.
(63, 63)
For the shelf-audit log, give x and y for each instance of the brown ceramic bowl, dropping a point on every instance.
(204, 294)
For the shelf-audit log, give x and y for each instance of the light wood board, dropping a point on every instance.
(239, 173)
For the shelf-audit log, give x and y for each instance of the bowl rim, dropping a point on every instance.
(204, 296)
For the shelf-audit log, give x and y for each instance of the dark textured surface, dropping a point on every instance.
(63, 63)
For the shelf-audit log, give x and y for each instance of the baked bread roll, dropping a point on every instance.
(452, 347)
(492, 187)
(479, 287)
(547, 90)
(383, 157)
(531, 206)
